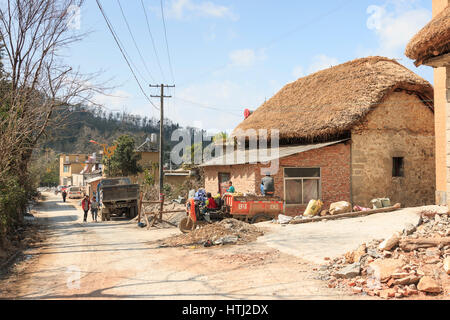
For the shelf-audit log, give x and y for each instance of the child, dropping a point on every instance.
(210, 202)
(94, 208)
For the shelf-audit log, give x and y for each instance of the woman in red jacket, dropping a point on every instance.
(86, 205)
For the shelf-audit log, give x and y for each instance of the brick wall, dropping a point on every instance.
(334, 162)
(402, 126)
(242, 176)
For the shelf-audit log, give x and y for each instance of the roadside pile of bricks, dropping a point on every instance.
(414, 263)
(228, 231)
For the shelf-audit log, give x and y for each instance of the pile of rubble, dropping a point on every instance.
(413, 263)
(228, 231)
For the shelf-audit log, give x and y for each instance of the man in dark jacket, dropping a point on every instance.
(267, 186)
(64, 194)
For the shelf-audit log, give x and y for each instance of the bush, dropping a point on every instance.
(13, 199)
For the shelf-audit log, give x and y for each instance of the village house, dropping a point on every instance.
(70, 164)
(431, 47)
(354, 132)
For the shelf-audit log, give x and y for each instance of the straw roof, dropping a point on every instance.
(433, 40)
(327, 104)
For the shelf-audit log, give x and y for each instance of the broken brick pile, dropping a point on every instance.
(413, 263)
(228, 231)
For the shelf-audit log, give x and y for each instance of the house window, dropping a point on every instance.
(398, 167)
(66, 169)
(301, 185)
(67, 158)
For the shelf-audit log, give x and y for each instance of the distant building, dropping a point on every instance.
(70, 164)
(431, 47)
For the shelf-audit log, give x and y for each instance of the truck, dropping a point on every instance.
(251, 209)
(117, 197)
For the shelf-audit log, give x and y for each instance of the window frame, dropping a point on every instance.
(302, 179)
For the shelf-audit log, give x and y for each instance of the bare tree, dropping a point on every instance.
(38, 84)
(33, 35)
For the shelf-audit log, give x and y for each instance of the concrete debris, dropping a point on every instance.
(447, 265)
(349, 271)
(386, 269)
(282, 219)
(390, 242)
(409, 229)
(428, 284)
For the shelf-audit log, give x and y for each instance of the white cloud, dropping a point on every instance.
(321, 62)
(395, 23)
(181, 9)
(246, 57)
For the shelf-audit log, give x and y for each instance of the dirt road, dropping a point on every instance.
(117, 260)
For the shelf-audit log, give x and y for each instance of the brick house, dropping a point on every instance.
(354, 132)
(431, 47)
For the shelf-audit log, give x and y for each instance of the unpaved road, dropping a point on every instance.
(117, 260)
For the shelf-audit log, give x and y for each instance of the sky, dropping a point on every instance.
(228, 56)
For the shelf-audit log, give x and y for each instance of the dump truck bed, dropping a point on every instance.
(120, 193)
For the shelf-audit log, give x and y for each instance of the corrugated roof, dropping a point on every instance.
(263, 155)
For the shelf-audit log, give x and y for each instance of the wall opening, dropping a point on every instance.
(398, 167)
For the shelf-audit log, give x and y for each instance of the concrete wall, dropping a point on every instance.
(439, 5)
(442, 111)
(402, 126)
(445, 101)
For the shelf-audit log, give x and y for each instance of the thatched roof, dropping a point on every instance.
(328, 103)
(433, 40)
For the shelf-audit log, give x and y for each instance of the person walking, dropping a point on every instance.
(85, 204)
(94, 208)
(64, 195)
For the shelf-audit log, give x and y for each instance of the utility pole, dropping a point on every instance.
(161, 136)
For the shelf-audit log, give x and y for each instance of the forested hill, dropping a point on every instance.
(79, 125)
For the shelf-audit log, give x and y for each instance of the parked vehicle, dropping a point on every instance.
(118, 197)
(74, 193)
(252, 209)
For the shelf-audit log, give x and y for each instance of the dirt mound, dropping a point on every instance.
(228, 231)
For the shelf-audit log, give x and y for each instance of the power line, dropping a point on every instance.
(153, 40)
(208, 107)
(167, 42)
(111, 29)
(134, 40)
